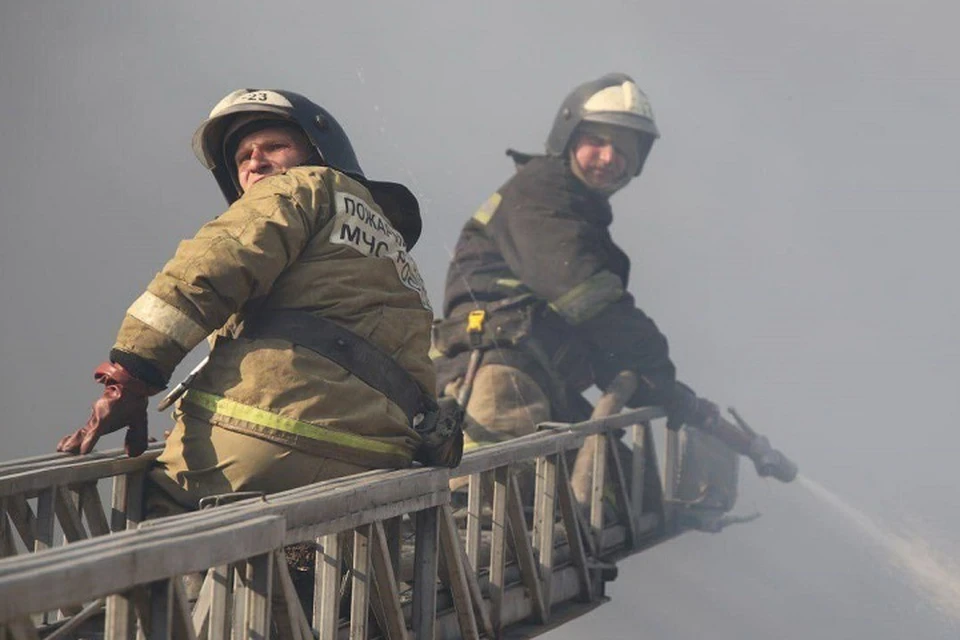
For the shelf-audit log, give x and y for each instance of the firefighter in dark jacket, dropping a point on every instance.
(536, 306)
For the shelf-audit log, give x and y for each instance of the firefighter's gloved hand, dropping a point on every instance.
(123, 404)
(686, 408)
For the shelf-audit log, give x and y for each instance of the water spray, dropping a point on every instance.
(932, 572)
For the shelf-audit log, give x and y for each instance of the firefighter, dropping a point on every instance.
(317, 316)
(536, 306)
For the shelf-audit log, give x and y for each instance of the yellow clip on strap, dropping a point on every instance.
(475, 320)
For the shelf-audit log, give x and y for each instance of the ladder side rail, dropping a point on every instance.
(109, 565)
(552, 437)
(72, 470)
(51, 460)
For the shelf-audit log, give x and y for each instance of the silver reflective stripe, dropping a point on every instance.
(589, 298)
(168, 320)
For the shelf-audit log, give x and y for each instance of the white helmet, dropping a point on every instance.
(613, 99)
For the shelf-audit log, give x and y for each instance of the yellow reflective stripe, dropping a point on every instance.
(232, 409)
(589, 298)
(510, 283)
(487, 209)
(474, 442)
(168, 320)
(469, 444)
(434, 353)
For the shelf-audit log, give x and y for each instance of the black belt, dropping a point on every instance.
(355, 354)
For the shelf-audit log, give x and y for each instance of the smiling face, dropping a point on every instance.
(269, 151)
(604, 157)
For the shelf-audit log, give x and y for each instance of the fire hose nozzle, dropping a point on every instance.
(771, 462)
(767, 460)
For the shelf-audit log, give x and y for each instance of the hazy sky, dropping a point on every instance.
(793, 234)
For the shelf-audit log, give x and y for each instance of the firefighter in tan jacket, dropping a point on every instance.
(318, 318)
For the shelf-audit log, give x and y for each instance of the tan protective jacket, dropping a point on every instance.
(310, 239)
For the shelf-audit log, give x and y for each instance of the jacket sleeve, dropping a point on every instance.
(625, 338)
(232, 259)
(562, 259)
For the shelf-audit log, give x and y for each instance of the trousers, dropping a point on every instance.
(201, 459)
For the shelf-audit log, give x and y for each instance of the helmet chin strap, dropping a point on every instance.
(314, 159)
(606, 191)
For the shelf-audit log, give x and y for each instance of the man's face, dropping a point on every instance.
(269, 151)
(603, 155)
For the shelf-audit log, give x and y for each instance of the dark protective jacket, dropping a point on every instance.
(311, 239)
(541, 244)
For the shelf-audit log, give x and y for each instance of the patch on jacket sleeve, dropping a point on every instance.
(358, 225)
